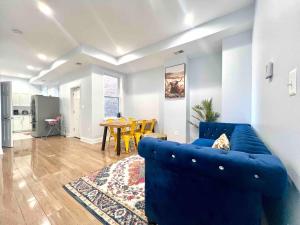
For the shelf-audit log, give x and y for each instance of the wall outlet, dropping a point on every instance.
(292, 85)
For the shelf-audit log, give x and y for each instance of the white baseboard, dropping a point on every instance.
(91, 140)
(68, 135)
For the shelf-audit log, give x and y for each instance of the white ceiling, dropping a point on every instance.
(103, 25)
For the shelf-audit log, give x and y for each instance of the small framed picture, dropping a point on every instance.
(175, 81)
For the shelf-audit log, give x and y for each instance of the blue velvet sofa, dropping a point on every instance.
(193, 184)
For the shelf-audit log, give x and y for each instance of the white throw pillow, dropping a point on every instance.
(222, 143)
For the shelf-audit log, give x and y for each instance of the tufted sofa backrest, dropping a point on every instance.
(214, 130)
(244, 139)
(256, 172)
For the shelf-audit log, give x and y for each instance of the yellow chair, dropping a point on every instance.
(131, 118)
(128, 136)
(123, 119)
(112, 133)
(140, 132)
(151, 127)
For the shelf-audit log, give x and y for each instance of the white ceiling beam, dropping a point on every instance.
(224, 23)
(238, 18)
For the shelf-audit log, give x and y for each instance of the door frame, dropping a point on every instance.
(72, 124)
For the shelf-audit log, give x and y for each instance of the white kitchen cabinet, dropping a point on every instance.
(15, 99)
(17, 122)
(25, 99)
(26, 123)
(21, 99)
(22, 123)
(28, 99)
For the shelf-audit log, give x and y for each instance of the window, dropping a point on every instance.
(111, 96)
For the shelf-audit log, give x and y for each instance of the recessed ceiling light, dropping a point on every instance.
(120, 50)
(42, 56)
(189, 19)
(45, 9)
(24, 76)
(32, 68)
(17, 31)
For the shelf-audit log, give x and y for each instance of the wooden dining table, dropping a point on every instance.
(115, 124)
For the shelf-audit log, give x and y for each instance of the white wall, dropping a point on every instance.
(90, 81)
(144, 94)
(97, 105)
(90, 105)
(275, 114)
(237, 78)
(176, 111)
(205, 82)
(83, 80)
(86, 108)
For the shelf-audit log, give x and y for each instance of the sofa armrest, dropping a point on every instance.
(213, 130)
(257, 172)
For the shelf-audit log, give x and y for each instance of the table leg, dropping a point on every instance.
(104, 138)
(118, 141)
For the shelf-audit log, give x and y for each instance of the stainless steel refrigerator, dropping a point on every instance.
(42, 108)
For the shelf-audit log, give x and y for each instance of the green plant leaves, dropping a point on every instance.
(205, 112)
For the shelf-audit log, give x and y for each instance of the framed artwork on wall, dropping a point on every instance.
(175, 81)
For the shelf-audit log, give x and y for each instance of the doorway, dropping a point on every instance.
(75, 110)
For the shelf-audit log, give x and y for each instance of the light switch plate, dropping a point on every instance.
(292, 82)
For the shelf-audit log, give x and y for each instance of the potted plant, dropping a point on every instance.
(204, 112)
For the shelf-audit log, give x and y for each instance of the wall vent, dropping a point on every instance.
(179, 52)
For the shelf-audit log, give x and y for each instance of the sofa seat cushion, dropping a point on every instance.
(244, 139)
(204, 142)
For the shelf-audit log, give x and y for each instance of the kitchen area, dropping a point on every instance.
(27, 111)
(31, 113)
(21, 116)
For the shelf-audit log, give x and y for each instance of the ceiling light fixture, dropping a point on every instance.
(32, 68)
(42, 56)
(189, 19)
(24, 76)
(16, 31)
(45, 9)
(120, 50)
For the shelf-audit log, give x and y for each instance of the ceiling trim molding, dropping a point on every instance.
(215, 26)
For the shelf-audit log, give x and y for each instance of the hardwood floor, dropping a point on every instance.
(33, 173)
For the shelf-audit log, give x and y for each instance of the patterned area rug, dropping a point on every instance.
(115, 194)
